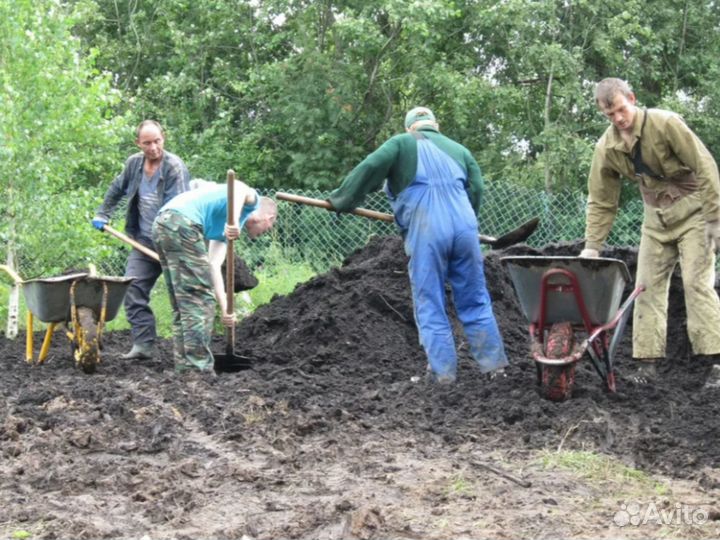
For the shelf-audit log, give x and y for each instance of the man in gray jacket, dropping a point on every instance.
(149, 179)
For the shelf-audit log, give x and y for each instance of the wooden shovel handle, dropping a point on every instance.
(230, 266)
(137, 245)
(372, 214)
(514, 236)
(230, 257)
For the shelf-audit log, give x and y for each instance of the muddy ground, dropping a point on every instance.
(328, 437)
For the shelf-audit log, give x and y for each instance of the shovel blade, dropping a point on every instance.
(231, 363)
(513, 237)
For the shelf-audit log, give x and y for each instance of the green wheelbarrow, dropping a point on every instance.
(83, 302)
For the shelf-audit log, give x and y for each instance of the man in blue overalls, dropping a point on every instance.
(435, 188)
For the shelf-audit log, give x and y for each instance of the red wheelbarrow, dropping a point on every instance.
(573, 307)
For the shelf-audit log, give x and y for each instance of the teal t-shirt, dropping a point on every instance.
(208, 207)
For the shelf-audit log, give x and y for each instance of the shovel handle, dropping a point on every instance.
(230, 266)
(372, 214)
(137, 245)
(230, 256)
(517, 235)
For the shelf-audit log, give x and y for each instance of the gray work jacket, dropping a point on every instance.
(174, 179)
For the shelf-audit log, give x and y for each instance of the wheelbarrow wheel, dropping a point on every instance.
(87, 367)
(86, 345)
(557, 381)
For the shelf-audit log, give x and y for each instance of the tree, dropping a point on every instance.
(292, 93)
(58, 131)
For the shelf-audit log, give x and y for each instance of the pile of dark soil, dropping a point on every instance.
(332, 369)
(347, 341)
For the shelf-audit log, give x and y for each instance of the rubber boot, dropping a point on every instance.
(139, 351)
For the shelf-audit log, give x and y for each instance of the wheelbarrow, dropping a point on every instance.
(573, 307)
(83, 302)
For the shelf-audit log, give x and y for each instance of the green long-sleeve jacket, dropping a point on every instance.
(396, 161)
(669, 148)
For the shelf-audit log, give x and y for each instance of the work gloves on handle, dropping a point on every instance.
(588, 253)
(712, 235)
(99, 223)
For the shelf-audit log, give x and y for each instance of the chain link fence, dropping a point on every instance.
(323, 239)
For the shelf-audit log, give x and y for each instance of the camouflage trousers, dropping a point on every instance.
(672, 235)
(186, 268)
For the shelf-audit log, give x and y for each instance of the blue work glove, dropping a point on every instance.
(99, 222)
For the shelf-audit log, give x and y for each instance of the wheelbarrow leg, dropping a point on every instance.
(29, 338)
(46, 343)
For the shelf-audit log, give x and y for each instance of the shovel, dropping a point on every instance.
(244, 278)
(125, 238)
(230, 362)
(508, 239)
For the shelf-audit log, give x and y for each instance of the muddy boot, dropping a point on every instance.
(440, 380)
(139, 351)
(713, 380)
(646, 372)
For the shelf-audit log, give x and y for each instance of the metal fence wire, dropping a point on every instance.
(323, 238)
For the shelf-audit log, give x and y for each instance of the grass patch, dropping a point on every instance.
(280, 280)
(459, 485)
(599, 468)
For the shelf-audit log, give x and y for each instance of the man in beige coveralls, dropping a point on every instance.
(680, 187)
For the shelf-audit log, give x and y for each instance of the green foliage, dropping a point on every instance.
(57, 133)
(56, 107)
(74, 244)
(292, 94)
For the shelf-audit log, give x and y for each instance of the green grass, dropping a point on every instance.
(280, 280)
(459, 485)
(600, 468)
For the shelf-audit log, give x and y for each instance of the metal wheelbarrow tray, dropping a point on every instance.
(49, 298)
(83, 302)
(564, 298)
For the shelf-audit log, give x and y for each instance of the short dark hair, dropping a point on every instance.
(607, 89)
(145, 123)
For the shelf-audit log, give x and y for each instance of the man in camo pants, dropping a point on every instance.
(192, 268)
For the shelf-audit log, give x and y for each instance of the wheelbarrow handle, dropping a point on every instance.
(137, 245)
(12, 273)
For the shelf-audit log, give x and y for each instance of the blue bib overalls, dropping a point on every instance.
(441, 238)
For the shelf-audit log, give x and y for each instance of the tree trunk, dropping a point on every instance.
(13, 299)
(548, 105)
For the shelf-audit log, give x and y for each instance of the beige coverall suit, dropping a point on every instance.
(681, 192)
